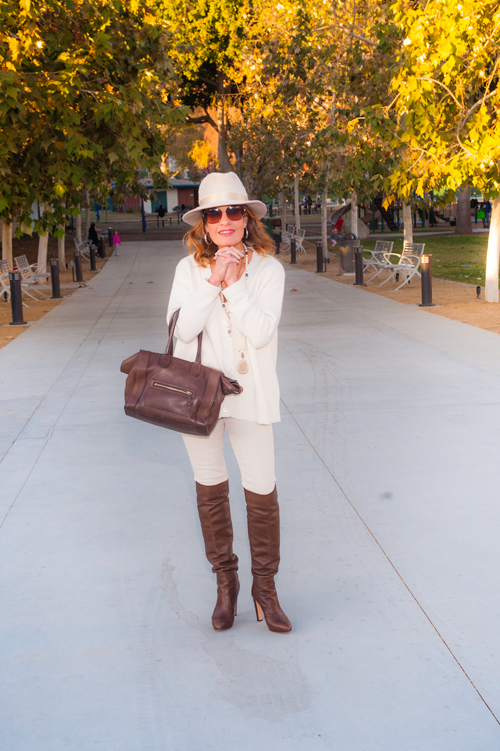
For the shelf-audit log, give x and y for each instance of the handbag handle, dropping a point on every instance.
(170, 344)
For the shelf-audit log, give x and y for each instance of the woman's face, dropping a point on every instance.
(226, 232)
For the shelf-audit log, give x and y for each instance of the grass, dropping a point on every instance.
(460, 258)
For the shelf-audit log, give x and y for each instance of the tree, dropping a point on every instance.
(206, 44)
(85, 100)
(447, 103)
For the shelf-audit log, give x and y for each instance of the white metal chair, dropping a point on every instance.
(290, 234)
(408, 264)
(378, 257)
(5, 287)
(84, 248)
(29, 271)
(30, 276)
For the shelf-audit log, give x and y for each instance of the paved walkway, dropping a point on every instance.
(388, 478)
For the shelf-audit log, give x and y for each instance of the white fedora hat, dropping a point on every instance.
(222, 189)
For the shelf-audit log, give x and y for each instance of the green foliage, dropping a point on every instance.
(85, 98)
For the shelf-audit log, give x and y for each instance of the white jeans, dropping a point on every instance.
(253, 446)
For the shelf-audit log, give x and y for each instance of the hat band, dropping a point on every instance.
(223, 199)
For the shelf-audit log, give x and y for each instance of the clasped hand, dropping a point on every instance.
(226, 266)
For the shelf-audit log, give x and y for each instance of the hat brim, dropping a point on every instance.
(192, 216)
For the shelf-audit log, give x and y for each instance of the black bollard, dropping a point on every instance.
(425, 266)
(293, 251)
(78, 266)
(93, 267)
(16, 299)
(358, 267)
(102, 247)
(54, 277)
(320, 259)
(110, 238)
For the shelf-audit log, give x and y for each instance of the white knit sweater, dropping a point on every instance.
(255, 309)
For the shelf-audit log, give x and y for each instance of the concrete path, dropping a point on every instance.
(387, 459)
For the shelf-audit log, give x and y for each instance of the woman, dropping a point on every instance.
(93, 236)
(230, 289)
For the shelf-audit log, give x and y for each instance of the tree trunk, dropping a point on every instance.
(493, 254)
(282, 203)
(87, 215)
(354, 214)
(43, 243)
(427, 213)
(222, 126)
(61, 252)
(464, 220)
(296, 201)
(324, 211)
(408, 224)
(7, 244)
(79, 225)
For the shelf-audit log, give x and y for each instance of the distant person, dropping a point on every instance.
(93, 236)
(161, 214)
(309, 202)
(336, 230)
(116, 242)
(485, 209)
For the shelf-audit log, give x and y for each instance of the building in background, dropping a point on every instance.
(179, 191)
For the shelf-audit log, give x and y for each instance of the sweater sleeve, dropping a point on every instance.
(195, 304)
(257, 316)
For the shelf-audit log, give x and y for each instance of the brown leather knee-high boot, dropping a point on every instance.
(215, 518)
(264, 535)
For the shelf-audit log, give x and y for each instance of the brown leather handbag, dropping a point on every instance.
(174, 393)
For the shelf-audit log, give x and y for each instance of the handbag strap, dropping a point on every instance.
(170, 344)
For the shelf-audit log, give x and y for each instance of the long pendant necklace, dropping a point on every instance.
(242, 367)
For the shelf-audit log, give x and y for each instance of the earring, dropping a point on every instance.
(245, 234)
(207, 238)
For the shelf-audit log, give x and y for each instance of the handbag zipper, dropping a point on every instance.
(172, 388)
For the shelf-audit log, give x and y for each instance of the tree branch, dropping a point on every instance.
(202, 119)
(349, 31)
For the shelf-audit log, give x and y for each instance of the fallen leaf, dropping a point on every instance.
(294, 290)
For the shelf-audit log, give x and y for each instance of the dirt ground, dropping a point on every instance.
(38, 308)
(452, 300)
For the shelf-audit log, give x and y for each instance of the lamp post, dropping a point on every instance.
(426, 267)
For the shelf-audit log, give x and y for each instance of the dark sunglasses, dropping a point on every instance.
(234, 213)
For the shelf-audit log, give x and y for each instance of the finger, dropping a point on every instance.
(231, 251)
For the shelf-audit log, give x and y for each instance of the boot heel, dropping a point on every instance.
(258, 610)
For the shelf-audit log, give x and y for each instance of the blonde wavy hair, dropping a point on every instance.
(203, 252)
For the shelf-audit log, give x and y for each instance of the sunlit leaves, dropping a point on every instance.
(85, 94)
